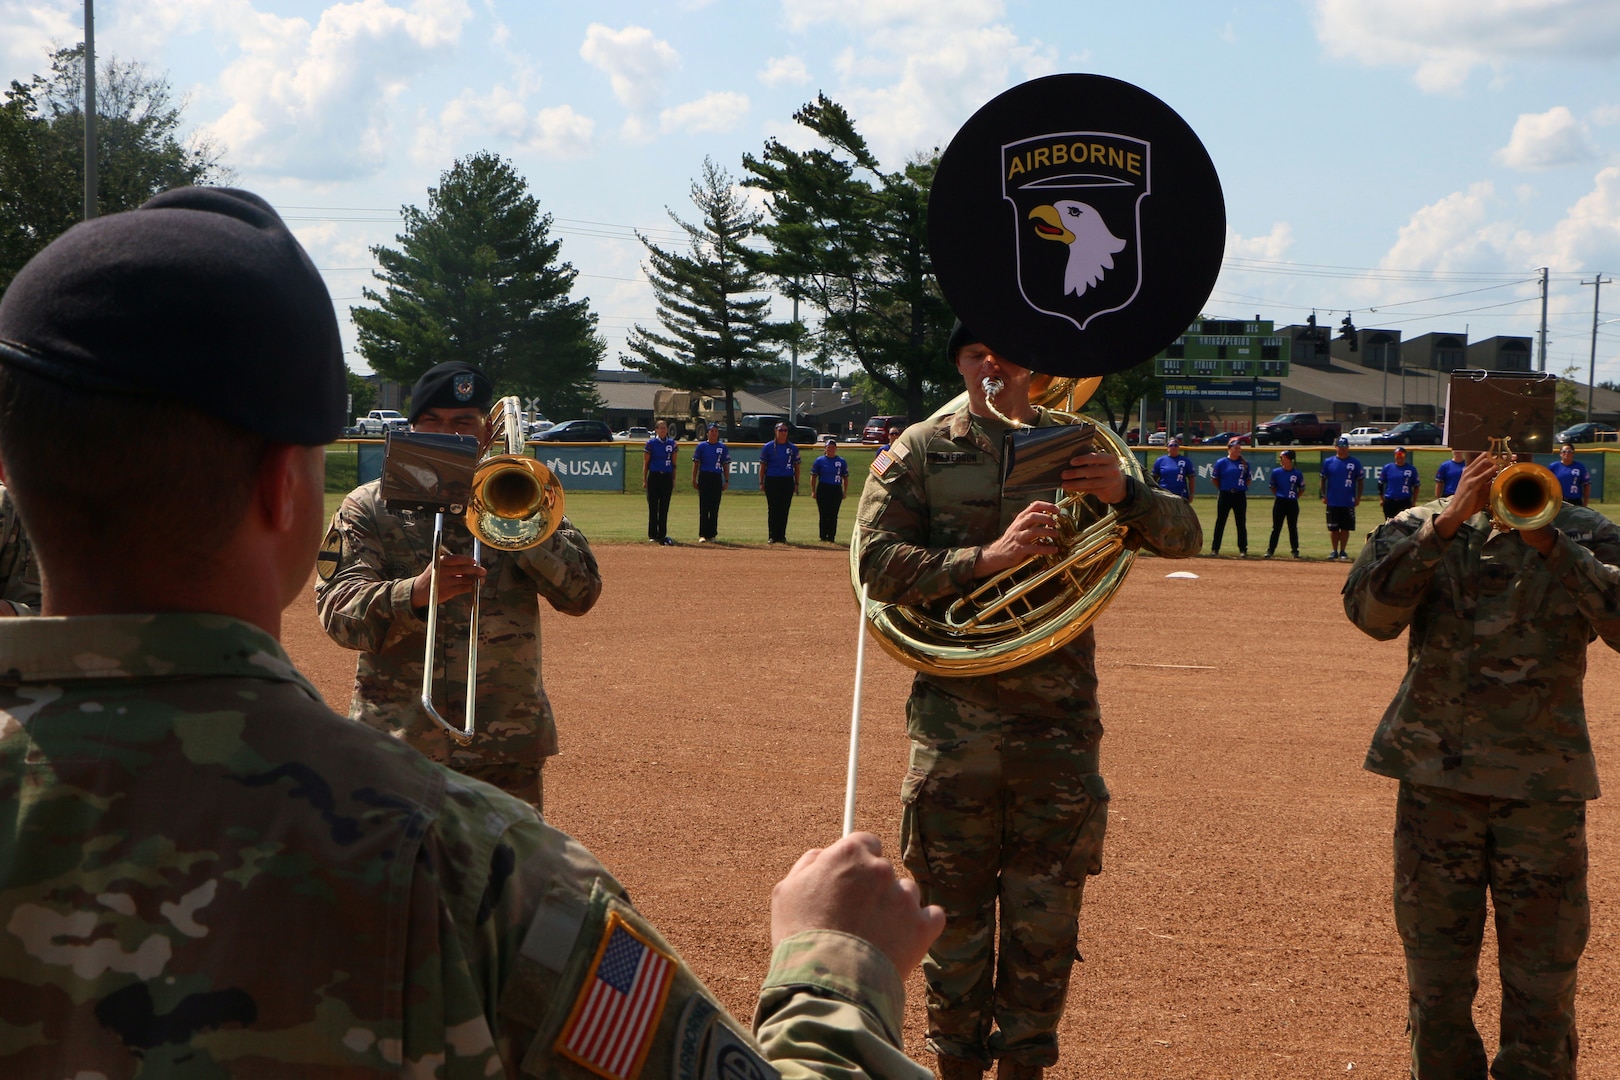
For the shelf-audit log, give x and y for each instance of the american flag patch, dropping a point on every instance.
(618, 1008)
(881, 463)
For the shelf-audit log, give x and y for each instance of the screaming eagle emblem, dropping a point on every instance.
(1077, 196)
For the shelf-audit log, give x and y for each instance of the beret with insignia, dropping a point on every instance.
(451, 385)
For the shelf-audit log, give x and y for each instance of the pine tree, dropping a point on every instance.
(714, 309)
(477, 278)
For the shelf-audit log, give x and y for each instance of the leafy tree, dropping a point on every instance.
(853, 241)
(1570, 407)
(1119, 392)
(712, 305)
(477, 278)
(138, 150)
(362, 393)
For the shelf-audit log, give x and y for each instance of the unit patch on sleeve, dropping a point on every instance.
(330, 557)
(619, 1005)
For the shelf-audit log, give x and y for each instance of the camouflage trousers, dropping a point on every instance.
(1002, 816)
(1449, 849)
(526, 781)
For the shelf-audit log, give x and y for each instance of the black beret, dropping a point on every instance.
(202, 296)
(961, 337)
(451, 385)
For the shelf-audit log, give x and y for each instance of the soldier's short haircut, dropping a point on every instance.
(124, 479)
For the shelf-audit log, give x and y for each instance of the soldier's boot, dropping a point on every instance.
(1017, 1070)
(952, 1067)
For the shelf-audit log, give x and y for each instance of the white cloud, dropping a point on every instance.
(784, 69)
(1445, 40)
(636, 63)
(1457, 232)
(503, 117)
(1604, 115)
(862, 15)
(32, 30)
(717, 111)
(1545, 141)
(312, 102)
(1589, 234)
(1272, 246)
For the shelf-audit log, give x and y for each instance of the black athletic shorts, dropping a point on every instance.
(1341, 519)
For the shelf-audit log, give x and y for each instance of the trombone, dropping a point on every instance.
(515, 503)
(1524, 495)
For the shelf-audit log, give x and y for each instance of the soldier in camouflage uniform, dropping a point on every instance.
(19, 574)
(1004, 801)
(209, 873)
(371, 591)
(1487, 736)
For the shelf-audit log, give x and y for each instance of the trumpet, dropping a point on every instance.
(1524, 495)
(515, 503)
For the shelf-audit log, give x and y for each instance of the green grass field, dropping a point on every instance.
(615, 518)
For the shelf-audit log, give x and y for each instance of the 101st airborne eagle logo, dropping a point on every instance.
(1077, 199)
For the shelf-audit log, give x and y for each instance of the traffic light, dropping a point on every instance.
(1347, 332)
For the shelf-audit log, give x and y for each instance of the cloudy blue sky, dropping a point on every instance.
(1413, 161)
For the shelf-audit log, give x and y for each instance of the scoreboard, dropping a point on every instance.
(1225, 349)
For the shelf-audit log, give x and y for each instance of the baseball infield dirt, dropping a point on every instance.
(1241, 926)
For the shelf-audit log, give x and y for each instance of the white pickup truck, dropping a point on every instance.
(379, 421)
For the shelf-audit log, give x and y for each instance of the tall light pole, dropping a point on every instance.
(1597, 283)
(89, 109)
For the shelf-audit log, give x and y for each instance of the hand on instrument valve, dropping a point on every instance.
(1033, 532)
(458, 576)
(850, 887)
(1095, 474)
(1474, 495)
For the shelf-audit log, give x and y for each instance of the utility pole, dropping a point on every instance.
(793, 363)
(89, 109)
(1597, 283)
(1541, 362)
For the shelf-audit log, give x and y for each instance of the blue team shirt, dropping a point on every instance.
(1232, 475)
(778, 459)
(1341, 480)
(1448, 474)
(660, 455)
(711, 457)
(1572, 478)
(1398, 481)
(829, 470)
(1172, 473)
(1287, 483)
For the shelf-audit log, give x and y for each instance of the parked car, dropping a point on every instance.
(1300, 427)
(1362, 436)
(1588, 432)
(1156, 438)
(1411, 433)
(876, 431)
(577, 431)
(537, 426)
(635, 434)
(379, 422)
(1224, 437)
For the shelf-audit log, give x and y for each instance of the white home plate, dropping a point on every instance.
(1184, 574)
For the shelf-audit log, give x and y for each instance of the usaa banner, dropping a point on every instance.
(1077, 197)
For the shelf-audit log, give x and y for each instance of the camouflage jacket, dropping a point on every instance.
(363, 590)
(208, 873)
(1492, 699)
(19, 573)
(923, 518)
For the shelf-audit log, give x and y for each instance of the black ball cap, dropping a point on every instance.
(202, 296)
(451, 385)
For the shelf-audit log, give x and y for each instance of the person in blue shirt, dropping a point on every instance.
(1447, 475)
(1232, 475)
(779, 480)
(1175, 473)
(1398, 484)
(1342, 478)
(1287, 484)
(1574, 479)
(658, 480)
(829, 483)
(711, 475)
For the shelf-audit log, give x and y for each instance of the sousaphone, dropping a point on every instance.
(1076, 225)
